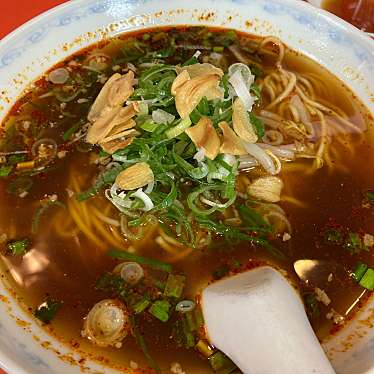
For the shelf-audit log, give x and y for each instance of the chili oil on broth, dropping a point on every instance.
(67, 268)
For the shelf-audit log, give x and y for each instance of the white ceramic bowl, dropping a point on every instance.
(47, 39)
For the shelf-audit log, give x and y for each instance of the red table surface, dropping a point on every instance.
(16, 12)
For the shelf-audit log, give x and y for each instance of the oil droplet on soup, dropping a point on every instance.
(201, 202)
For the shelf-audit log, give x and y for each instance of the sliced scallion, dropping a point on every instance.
(189, 338)
(143, 345)
(221, 364)
(359, 271)
(198, 172)
(185, 306)
(70, 132)
(149, 126)
(173, 132)
(204, 348)
(191, 321)
(333, 236)
(109, 282)
(15, 159)
(370, 196)
(47, 311)
(218, 49)
(160, 309)
(353, 243)
(5, 170)
(257, 124)
(19, 247)
(105, 179)
(20, 185)
(141, 305)
(367, 280)
(312, 305)
(174, 285)
(115, 253)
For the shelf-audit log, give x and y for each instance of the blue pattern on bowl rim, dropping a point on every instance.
(276, 7)
(20, 44)
(31, 358)
(37, 33)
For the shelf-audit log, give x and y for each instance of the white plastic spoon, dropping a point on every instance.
(258, 320)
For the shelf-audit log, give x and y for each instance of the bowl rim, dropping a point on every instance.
(73, 4)
(11, 365)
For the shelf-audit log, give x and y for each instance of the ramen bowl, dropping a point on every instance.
(33, 48)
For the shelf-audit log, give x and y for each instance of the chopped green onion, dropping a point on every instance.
(132, 50)
(102, 153)
(191, 321)
(252, 218)
(70, 132)
(185, 306)
(107, 178)
(270, 248)
(47, 311)
(359, 271)
(221, 364)
(146, 37)
(191, 61)
(218, 49)
(194, 197)
(64, 97)
(198, 172)
(258, 124)
(166, 52)
(199, 318)
(333, 236)
(140, 260)
(312, 305)
(370, 196)
(160, 309)
(141, 305)
(256, 90)
(353, 243)
(204, 348)
(15, 159)
(202, 109)
(143, 346)
(157, 283)
(5, 170)
(19, 247)
(20, 185)
(182, 334)
(226, 38)
(174, 285)
(149, 126)
(232, 233)
(367, 281)
(183, 125)
(169, 198)
(109, 282)
(256, 71)
(189, 338)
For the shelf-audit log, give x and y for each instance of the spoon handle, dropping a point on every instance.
(258, 320)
